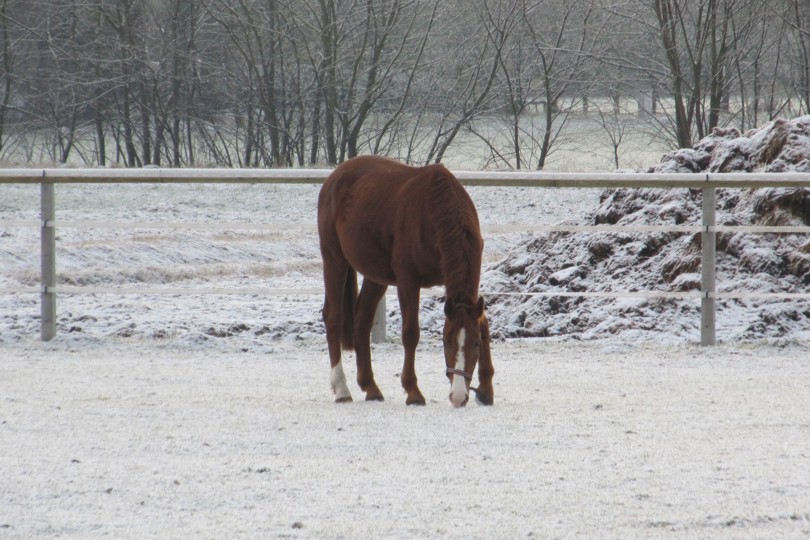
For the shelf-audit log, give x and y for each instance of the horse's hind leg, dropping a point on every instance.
(370, 295)
(335, 274)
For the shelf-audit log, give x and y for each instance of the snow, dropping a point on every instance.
(212, 416)
(134, 438)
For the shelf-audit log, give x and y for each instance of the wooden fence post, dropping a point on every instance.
(48, 262)
(708, 268)
(378, 330)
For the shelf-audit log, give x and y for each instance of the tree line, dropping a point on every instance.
(265, 83)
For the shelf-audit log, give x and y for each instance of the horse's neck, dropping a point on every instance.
(457, 238)
(465, 296)
(462, 270)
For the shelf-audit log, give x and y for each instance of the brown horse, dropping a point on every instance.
(411, 227)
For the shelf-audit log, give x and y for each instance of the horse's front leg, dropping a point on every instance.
(485, 394)
(409, 305)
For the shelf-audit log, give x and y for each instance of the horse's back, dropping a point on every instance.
(377, 181)
(372, 189)
(364, 173)
(383, 216)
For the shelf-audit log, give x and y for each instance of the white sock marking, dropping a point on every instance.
(338, 380)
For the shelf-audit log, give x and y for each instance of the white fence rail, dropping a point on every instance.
(48, 178)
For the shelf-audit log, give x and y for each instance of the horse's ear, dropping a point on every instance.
(479, 308)
(449, 308)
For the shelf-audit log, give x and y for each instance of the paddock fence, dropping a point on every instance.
(47, 179)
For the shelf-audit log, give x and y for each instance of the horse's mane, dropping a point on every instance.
(458, 235)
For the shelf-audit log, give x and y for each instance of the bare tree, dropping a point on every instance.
(797, 17)
(365, 61)
(688, 35)
(175, 84)
(464, 72)
(291, 82)
(704, 52)
(274, 90)
(7, 67)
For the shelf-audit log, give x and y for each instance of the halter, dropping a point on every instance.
(454, 371)
(461, 372)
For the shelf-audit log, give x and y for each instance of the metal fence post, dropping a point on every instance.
(48, 262)
(378, 330)
(708, 269)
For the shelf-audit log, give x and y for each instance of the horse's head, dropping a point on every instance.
(466, 338)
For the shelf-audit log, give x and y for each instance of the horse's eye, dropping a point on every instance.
(477, 344)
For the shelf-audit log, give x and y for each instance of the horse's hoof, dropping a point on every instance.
(344, 400)
(418, 402)
(483, 399)
(376, 397)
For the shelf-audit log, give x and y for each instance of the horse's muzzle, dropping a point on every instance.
(457, 403)
(459, 389)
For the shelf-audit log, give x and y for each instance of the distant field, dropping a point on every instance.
(583, 145)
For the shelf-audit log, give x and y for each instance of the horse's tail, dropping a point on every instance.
(349, 299)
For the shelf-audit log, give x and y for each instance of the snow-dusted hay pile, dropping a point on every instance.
(671, 261)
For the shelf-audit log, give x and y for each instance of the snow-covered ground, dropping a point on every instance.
(138, 438)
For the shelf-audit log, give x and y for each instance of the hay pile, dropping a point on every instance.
(665, 261)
